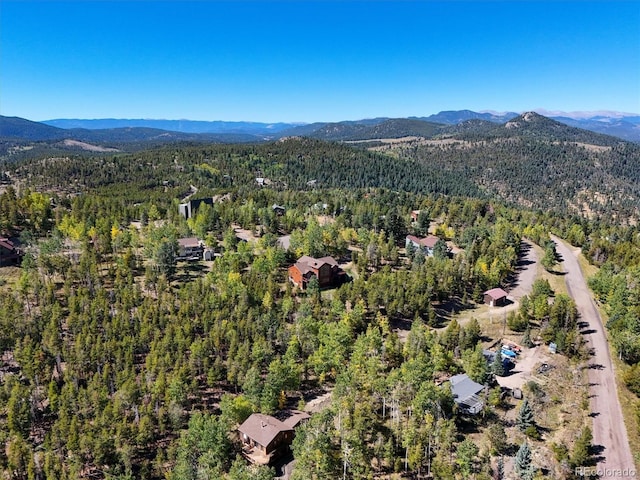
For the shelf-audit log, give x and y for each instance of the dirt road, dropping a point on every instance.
(609, 432)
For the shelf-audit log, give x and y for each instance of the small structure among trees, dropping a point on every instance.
(496, 297)
(279, 210)
(10, 254)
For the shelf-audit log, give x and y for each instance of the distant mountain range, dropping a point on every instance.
(454, 117)
(625, 126)
(18, 134)
(184, 126)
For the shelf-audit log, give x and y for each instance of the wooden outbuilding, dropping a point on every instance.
(496, 297)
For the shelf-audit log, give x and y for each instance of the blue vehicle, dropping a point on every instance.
(508, 353)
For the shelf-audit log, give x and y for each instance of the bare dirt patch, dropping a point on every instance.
(319, 403)
(325, 220)
(593, 148)
(243, 234)
(525, 368)
(388, 140)
(88, 146)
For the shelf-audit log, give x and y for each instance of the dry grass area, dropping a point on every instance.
(391, 145)
(9, 276)
(388, 140)
(561, 407)
(593, 148)
(556, 280)
(325, 220)
(88, 146)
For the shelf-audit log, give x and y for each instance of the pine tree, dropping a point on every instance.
(525, 418)
(550, 258)
(581, 454)
(523, 467)
(526, 338)
(466, 453)
(497, 367)
(497, 438)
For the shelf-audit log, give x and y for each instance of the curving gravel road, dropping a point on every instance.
(609, 431)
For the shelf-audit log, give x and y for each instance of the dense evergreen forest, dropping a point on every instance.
(121, 360)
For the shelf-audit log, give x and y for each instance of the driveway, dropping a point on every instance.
(524, 367)
(609, 432)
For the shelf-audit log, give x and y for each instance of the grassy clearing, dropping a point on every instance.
(555, 279)
(588, 270)
(9, 277)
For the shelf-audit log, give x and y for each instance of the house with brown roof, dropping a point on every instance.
(265, 437)
(190, 248)
(10, 254)
(496, 297)
(425, 244)
(325, 269)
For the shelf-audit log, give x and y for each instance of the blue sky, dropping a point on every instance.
(314, 60)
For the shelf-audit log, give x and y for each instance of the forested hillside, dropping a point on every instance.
(24, 139)
(123, 359)
(536, 162)
(391, 128)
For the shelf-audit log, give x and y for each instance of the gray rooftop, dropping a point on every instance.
(463, 387)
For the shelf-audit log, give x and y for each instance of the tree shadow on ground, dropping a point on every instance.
(189, 271)
(511, 281)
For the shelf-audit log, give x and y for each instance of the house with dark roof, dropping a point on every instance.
(10, 254)
(325, 269)
(188, 209)
(426, 244)
(465, 394)
(264, 437)
(496, 297)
